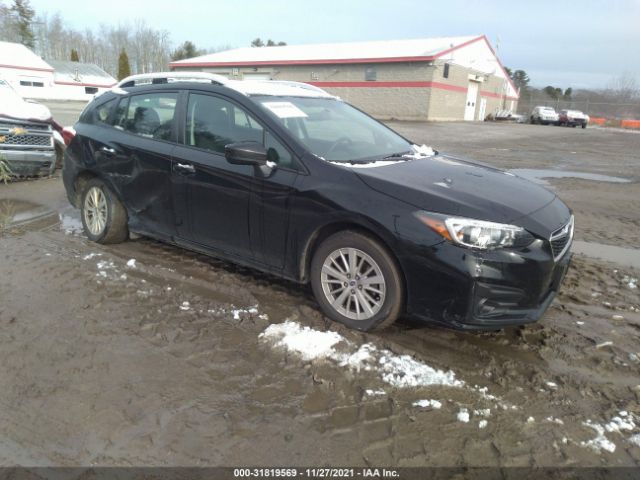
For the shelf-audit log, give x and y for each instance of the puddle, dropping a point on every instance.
(539, 175)
(610, 253)
(70, 221)
(17, 212)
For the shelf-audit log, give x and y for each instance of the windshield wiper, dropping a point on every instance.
(399, 155)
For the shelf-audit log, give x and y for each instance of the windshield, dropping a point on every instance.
(334, 130)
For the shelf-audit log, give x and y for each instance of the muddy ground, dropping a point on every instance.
(173, 359)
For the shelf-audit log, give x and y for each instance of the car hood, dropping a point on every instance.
(452, 186)
(13, 106)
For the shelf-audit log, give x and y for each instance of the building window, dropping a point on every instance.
(90, 90)
(26, 83)
(445, 72)
(370, 74)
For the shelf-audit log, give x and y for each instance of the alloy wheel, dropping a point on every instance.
(95, 210)
(353, 283)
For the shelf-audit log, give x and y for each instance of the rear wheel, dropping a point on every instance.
(357, 282)
(104, 218)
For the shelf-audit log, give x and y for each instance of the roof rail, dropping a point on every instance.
(170, 77)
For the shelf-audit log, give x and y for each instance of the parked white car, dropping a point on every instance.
(544, 115)
(29, 140)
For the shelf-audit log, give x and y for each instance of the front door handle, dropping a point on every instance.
(185, 168)
(110, 151)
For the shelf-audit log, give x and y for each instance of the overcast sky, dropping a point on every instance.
(579, 43)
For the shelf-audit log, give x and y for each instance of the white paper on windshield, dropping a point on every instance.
(285, 109)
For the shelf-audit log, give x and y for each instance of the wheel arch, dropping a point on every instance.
(324, 232)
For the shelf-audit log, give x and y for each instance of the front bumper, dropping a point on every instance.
(483, 290)
(30, 162)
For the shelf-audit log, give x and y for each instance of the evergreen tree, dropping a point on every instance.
(124, 69)
(186, 50)
(74, 55)
(23, 16)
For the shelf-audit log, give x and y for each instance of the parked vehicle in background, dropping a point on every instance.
(286, 178)
(573, 118)
(29, 139)
(543, 116)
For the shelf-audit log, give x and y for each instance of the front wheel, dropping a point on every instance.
(357, 282)
(104, 218)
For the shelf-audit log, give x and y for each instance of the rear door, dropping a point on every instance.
(139, 152)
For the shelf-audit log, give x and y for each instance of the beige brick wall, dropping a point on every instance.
(403, 103)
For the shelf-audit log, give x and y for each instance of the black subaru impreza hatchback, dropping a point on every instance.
(286, 178)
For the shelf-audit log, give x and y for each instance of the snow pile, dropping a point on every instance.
(600, 442)
(404, 371)
(397, 370)
(621, 422)
(428, 403)
(631, 282)
(310, 344)
(463, 415)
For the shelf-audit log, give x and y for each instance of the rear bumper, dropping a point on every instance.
(30, 162)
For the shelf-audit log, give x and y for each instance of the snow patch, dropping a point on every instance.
(131, 263)
(310, 344)
(600, 442)
(91, 255)
(463, 415)
(635, 439)
(374, 393)
(482, 424)
(397, 370)
(185, 306)
(428, 403)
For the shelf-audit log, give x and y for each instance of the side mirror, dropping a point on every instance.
(246, 153)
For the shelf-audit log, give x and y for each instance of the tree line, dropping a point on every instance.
(131, 47)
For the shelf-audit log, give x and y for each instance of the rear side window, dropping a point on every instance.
(149, 115)
(102, 113)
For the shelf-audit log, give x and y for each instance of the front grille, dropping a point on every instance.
(28, 135)
(561, 240)
(27, 140)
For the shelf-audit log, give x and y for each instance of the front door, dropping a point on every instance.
(214, 197)
(470, 107)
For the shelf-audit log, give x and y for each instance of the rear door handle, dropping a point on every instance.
(110, 151)
(185, 168)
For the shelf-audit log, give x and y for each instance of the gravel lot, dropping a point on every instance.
(145, 354)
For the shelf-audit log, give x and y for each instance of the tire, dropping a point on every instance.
(98, 201)
(369, 254)
(584, 125)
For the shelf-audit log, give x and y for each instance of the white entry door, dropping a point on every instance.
(470, 108)
(483, 109)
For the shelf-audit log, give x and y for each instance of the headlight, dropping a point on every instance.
(476, 233)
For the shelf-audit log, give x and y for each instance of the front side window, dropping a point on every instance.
(149, 115)
(213, 122)
(334, 130)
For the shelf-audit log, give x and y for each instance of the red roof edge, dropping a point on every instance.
(27, 68)
(502, 67)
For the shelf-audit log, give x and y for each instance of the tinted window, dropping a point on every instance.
(213, 123)
(148, 115)
(102, 112)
